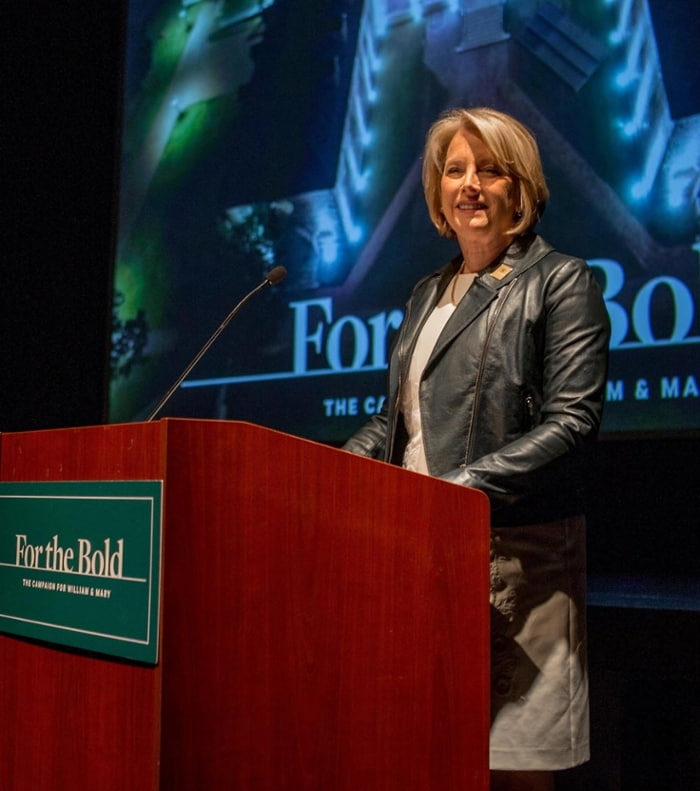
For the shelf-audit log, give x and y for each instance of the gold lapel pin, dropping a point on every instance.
(500, 272)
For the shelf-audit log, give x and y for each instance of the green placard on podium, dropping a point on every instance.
(80, 564)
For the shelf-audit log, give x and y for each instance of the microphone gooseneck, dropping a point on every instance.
(273, 277)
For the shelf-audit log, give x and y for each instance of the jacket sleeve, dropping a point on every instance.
(370, 440)
(575, 355)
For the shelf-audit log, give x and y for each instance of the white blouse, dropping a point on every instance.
(414, 455)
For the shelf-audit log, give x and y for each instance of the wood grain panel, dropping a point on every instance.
(341, 604)
(324, 624)
(71, 720)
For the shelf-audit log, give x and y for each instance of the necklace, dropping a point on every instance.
(468, 278)
(454, 288)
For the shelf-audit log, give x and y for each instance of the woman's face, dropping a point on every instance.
(478, 199)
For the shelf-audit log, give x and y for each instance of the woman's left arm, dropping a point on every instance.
(574, 372)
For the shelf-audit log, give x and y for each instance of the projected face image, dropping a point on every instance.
(477, 199)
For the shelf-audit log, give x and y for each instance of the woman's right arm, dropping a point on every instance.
(370, 440)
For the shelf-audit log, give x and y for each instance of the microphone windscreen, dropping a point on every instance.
(276, 275)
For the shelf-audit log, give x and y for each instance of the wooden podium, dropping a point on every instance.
(324, 625)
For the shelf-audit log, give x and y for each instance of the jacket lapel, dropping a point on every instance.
(486, 288)
(472, 305)
(422, 306)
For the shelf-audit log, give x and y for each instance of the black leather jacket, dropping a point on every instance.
(513, 391)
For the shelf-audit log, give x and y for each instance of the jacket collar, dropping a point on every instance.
(519, 257)
(524, 253)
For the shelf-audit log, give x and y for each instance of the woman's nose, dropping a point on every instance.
(471, 179)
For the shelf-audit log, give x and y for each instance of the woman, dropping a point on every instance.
(496, 381)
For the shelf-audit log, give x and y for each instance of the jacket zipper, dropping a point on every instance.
(530, 406)
(389, 450)
(480, 372)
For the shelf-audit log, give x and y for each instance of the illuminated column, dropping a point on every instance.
(623, 22)
(351, 179)
(651, 117)
(633, 56)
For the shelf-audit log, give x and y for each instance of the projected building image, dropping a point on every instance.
(276, 133)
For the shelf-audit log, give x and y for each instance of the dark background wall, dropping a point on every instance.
(61, 67)
(61, 115)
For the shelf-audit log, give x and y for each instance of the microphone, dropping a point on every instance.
(272, 278)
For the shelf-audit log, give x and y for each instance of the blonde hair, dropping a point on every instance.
(514, 149)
